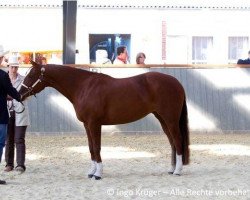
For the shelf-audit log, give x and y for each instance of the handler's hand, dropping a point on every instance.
(9, 98)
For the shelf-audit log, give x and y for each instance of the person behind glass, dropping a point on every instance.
(246, 61)
(6, 88)
(122, 55)
(18, 122)
(140, 58)
(43, 61)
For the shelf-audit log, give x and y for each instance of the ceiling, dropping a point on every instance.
(132, 4)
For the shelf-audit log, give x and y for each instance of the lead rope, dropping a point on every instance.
(23, 108)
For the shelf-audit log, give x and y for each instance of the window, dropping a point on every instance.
(105, 45)
(50, 57)
(26, 57)
(237, 48)
(201, 49)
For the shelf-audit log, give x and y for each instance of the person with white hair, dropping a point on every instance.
(6, 88)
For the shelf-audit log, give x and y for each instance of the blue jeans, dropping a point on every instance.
(3, 132)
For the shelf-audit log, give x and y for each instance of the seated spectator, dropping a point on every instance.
(140, 58)
(102, 57)
(122, 55)
(43, 61)
(244, 62)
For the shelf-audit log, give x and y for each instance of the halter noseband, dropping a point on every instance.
(30, 89)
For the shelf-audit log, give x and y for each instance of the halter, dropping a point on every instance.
(30, 89)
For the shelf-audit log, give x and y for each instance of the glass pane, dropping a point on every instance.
(237, 47)
(201, 49)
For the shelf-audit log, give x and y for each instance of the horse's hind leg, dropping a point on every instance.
(166, 131)
(177, 141)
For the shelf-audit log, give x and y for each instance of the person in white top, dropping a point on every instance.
(18, 122)
(122, 55)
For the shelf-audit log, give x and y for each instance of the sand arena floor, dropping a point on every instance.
(135, 167)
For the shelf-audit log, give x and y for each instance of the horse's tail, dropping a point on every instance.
(183, 124)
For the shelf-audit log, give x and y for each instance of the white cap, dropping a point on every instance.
(13, 61)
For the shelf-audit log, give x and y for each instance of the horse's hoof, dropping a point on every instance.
(98, 177)
(90, 175)
(170, 173)
(176, 174)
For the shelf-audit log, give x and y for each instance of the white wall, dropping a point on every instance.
(145, 29)
(30, 29)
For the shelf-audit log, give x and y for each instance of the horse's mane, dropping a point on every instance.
(76, 70)
(66, 67)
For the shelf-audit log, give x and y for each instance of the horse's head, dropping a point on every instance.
(34, 81)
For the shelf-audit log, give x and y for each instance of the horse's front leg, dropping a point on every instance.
(95, 134)
(92, 169)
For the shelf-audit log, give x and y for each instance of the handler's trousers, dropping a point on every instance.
(3, 132)
(15, 137)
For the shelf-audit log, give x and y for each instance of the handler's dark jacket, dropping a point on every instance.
(6, 88)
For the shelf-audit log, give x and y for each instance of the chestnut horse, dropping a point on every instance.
(99, 99)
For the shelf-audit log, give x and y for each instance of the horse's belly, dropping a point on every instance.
(123, 118)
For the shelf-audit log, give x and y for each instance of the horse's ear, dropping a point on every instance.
(34, 63)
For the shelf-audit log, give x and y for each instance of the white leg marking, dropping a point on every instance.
(92, 169)
(99, 171)
(179, 165)
(171, 170)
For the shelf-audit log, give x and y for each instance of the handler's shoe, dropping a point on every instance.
(20, 169)
(8, 168)
(2, 182)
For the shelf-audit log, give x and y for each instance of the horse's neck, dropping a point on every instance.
(66, 80)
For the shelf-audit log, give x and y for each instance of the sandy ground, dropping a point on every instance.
(135, 167)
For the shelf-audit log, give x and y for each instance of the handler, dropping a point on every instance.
(6, 88)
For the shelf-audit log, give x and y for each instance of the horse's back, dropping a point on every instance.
(150, 84)
(162, 77)
(164, 83)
